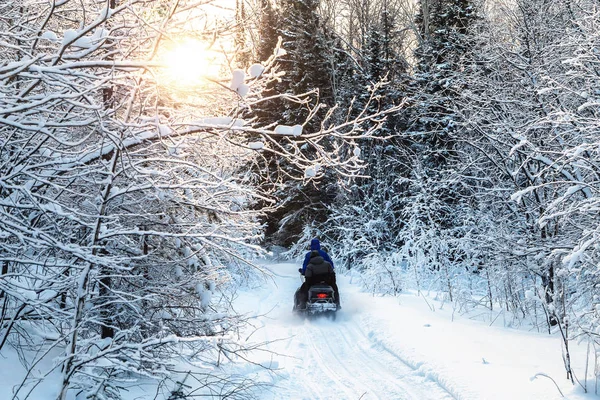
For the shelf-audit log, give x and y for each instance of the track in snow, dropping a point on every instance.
(334, 359)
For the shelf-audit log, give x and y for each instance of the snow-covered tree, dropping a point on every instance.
(528, 107)
(127, 216)
(430, 211)
(308, 79)
(266, 30)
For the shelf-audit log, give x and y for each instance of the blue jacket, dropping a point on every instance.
(316, 245)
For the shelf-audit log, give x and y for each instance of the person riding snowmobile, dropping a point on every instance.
(317, 267)
(315, 245)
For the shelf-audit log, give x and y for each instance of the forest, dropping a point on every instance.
(151, 151)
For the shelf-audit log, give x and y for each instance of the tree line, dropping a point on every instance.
(482, 187)
(447, 145)
(129, 207)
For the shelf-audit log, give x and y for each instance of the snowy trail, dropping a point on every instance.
(323, 359)
(387, 348)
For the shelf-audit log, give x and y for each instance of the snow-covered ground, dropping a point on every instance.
(398, 348)
(390, 348)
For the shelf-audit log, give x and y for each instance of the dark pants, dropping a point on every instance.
(301, 295)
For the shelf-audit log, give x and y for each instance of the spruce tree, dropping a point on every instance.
(367, 218)
(267, 31)
(445, 37)
(444, 29)
(307, 63)
(307, 60)
(243, 54)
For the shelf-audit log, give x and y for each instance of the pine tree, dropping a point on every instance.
(374, 57)
(368, 218)
(445, 37)
(243, 54)
(267, 31)
(307, 64)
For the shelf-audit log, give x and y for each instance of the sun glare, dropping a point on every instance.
(190, 63)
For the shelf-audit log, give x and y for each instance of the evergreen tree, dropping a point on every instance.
(374, 57)
(307, 63)
(368, 218)
(445, 37)
(243, 53)
(267, 31)
(383, 52)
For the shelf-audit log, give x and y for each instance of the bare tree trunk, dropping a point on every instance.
(425, 9)
(70, 356)
(4, 272)
(107, 330)
(448, 281)
(489, 287)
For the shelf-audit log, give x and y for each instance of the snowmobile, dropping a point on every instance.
(321, 301)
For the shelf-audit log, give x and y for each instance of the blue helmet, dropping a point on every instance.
(315, 244)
